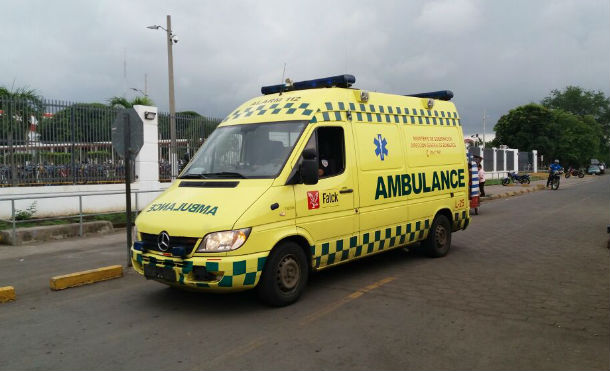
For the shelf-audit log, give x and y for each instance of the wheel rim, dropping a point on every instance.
(288, 273)
(440, 236)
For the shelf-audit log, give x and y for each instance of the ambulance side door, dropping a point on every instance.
(327, 210)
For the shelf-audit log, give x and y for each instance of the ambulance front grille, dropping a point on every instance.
(151, 242)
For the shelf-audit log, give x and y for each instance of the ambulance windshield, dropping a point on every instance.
(245, 151)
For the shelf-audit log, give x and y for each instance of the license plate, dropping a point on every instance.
(159, 273)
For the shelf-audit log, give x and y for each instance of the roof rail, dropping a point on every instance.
(441, 95)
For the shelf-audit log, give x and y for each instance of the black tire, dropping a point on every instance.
(567, 175)
(284, 276)
(527, 180)
(505, 181)
(555, 184)
(581, 174)
(438, 242)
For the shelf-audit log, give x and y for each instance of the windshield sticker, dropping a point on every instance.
(405, 184)
(380, 143)
(188, 207)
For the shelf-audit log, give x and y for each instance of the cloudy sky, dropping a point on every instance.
(494, 55)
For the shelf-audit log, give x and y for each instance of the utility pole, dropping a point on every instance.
(172, 102)
(484, 122)
(171, 39)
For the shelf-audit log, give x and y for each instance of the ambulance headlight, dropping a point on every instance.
(224, 241)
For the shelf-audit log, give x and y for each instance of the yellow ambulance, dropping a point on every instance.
(309, 175)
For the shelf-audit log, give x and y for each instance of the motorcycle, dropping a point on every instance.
(555, 179)
(516, 178)
(573, 172)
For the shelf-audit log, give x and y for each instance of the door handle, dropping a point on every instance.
(348, 190)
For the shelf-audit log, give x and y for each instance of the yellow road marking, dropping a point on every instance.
(262, 340)
(334, 306)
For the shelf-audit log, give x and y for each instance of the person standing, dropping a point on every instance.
(481, 180)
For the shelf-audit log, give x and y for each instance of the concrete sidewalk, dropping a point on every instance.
(494, 192)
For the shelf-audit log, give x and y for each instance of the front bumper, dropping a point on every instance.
(227, 273)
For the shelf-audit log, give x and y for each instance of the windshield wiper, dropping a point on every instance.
(193, 176)
(224, 174)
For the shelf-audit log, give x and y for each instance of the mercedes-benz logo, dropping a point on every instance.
(163, 241)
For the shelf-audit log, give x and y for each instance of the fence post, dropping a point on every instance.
(11, 144)
(14, 222)
(73, 129)
(535, 160)
(80, 214)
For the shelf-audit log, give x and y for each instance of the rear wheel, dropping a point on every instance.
(284, 276)
(581, 174)
(439, 238)
(567, 175)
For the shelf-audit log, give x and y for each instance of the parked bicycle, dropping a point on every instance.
(516, 178)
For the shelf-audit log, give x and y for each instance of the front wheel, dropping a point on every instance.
(284, 276)
(581, 174)
(567, 175)
(438, 242)
(555, 184)
(505, 181)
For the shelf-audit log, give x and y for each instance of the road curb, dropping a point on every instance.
(86, 277)
(537, 187)
(7, 293)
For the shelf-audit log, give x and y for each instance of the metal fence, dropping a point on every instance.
(191, 131)
(48, 142)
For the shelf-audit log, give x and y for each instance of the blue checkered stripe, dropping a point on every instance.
(337, 251)
(340, 111)
(460, 219)
(290, 108)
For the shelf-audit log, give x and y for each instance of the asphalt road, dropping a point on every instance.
(525, 287)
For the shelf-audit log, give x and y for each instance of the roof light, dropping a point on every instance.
(343, 81)
(441, 95)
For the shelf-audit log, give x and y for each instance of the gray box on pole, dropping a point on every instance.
(136, 132)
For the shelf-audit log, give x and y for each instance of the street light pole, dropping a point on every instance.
(172, 102)
(171, 39)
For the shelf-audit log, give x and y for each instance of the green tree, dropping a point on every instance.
(580, 102)
(81, 122)
(17, 106)
(527, 127)
(118, 102)
(593, 107)
(555, 133)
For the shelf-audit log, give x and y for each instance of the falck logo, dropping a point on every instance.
(163, 241)
(313, 200)
(380, 144)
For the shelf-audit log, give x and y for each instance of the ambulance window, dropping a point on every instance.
(330, 146)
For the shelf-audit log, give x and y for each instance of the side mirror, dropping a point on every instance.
(309, 167)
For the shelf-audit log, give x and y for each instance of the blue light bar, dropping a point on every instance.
(342, 81)
(441, 95)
